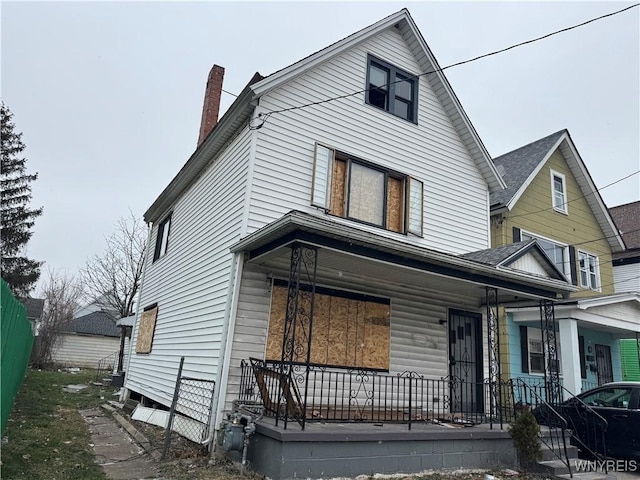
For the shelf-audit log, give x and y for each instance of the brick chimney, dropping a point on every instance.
(211, 106)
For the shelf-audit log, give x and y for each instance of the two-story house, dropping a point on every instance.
(551, 197)
(326, 252)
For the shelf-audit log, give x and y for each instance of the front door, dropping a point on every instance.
(603, 364)
(465, 361)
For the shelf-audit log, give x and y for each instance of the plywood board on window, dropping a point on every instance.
(346, 331)
(338, 187)
(276, 323)
(395, 203)
(146, 330)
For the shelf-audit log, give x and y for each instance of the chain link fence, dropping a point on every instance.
(190, 414)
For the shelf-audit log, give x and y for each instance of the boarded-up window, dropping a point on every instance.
(146, 329)
(349, 330)
(351, 188)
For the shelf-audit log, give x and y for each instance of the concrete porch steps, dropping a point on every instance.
(552, 466)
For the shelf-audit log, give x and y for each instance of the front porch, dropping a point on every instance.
(357, 344)
(328, 450)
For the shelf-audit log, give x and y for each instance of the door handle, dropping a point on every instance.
(620, 415)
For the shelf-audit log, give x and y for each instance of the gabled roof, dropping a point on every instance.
(405, 25)
(238, 114)
(96, 323)
(627, 219)
(521, 166)
(507, 255)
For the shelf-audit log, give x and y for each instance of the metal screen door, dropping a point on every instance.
(603, 364)
(465, 361)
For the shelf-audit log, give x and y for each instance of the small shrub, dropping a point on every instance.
(525, 433)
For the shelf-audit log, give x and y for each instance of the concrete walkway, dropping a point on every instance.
(117, 453)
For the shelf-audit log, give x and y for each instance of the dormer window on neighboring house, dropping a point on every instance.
(392, 89)
(352, 188)
(162, 238)
(559, 192)
(589, 271)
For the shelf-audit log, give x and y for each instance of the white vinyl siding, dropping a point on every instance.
(418, 342)
(191, 283)
(627, 278)
(455, 200)
(84, 351)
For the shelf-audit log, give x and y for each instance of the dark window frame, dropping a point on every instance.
(390, 92)
(158, 251)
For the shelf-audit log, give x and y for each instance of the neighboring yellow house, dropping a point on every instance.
(551, 197)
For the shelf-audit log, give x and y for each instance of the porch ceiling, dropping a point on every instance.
(350, 250)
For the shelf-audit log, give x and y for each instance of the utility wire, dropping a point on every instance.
(265, 115)
(577, 198)
(225, 91)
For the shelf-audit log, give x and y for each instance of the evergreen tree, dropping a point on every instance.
(16, 218)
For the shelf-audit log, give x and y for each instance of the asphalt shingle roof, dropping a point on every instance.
(495, 256)
(627, 219)
(95, 323)
(517, 165)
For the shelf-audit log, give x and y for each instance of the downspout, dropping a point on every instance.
(222, 373)
(125, 390)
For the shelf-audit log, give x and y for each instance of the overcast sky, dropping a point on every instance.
(109, 95)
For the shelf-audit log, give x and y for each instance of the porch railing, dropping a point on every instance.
(106, 365)
(588, 385)
(335, 394)
(556, 433)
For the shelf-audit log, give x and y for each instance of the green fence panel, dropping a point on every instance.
(630, 359)
(17, 341)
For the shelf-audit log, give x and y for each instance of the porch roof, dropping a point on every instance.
(604, 313)
(336, 236)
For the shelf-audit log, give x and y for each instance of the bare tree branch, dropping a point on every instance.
(114, 276)
(61, 293)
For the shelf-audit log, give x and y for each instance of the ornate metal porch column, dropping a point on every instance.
(298, 323)
(493, 349)
(553, 389)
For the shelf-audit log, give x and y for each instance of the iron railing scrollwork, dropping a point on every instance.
(493, 349)
(298, 325)
(550, 350)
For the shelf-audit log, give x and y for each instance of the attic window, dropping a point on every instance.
(559, 192)
(352, 188)
(391, 89)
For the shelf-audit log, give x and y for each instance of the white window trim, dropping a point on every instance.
(563, 207)
(567, 263)
(535, 334)
(588, 255)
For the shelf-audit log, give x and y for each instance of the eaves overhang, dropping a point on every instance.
(234, 119)
(324, 232)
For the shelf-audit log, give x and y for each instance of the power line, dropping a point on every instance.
(597, 190)
(225, 91)
(264, 116)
